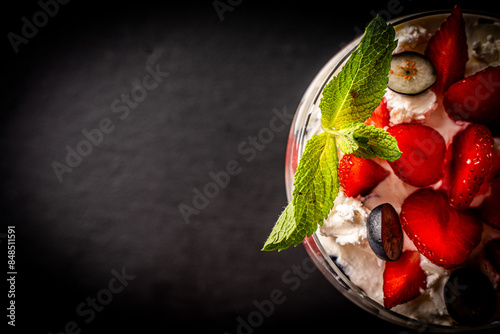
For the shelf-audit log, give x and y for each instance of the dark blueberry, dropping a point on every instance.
(342, 269)
(385, 235)
(340, 280)
(469, 297)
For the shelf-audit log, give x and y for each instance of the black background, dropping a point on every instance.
(118, 209)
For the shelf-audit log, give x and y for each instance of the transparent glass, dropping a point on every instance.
(302, 128)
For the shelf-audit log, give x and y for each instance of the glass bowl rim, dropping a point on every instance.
(312, 244)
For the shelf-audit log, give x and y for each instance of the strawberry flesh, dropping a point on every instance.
(359, 176)
(471, 160)
(381, 116)
(423, 154)
(476, 98)
(494, 174)
(443, 234)
(404, 279)
(447, 50)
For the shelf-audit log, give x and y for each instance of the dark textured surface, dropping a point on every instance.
(118, 209)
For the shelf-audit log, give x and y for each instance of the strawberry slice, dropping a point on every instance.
(476, 98)
(381, 116)
(423, 154)
(443, 234)
(359, 176)
(404, 279)
(494, 174)
(447, 50)
(471, 160)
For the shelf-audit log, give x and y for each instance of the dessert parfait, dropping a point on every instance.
(419, 233)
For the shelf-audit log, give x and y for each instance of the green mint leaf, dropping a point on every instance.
(348, 100)
(316, 182)
(357, 90)
(373, 142)
(285, 233)
(347, 140)
(315, 187)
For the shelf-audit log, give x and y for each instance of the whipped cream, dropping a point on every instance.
(347, 221)
(410, 108)
(487, 52)
(411, 37)
(359, 264)
(484, 47)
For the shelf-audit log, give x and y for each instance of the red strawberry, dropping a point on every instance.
(476, 98)
(447, 50)
(380, 117)
(423, 154)
(359, 176)
(471, 159)
(492, 176)
(443, 234)
(403, 279)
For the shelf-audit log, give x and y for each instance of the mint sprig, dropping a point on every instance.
(357, 90)
(366, 141)
(348, 100)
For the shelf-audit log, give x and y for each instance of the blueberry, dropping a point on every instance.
(469, 297)
(411, 73)
(385, 235)
(339, 279)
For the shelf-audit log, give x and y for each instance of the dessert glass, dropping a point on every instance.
(304, 126)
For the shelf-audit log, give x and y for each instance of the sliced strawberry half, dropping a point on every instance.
(471, 158)
(476, 98)
(494, 174)
(443, 234)
(423, 154)
(404, 279)
(359, 176)
(381, 115)
(447, 50)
